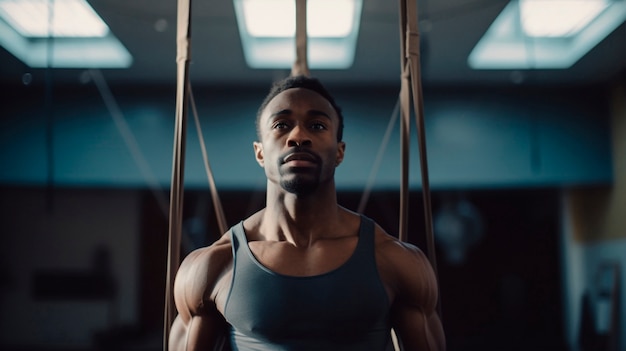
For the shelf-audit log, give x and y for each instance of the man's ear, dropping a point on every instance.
(258, 153)
(341, 150)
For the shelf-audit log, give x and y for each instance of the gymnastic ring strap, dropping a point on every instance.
(217, 203)
(413, 54)
(300, 66)
(183, 53)
(411, 71)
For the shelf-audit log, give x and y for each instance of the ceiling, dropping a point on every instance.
(449, 28)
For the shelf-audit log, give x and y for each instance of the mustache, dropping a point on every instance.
(300, 150)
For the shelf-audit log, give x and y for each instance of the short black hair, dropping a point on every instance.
(300, 82)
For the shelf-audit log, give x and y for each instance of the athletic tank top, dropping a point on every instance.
(345, 309)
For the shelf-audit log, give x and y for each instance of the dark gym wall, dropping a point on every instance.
(476, 138)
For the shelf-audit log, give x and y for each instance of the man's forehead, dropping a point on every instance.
(298, 96)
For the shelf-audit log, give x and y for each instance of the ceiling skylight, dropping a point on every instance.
(69, 18)
(558, 18)
(267, 30)
(81, 38)
(276, 18)
(546, 34)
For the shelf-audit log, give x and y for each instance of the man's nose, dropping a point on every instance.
(298, 136)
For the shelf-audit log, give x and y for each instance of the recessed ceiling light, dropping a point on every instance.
(81, 38)
(267, 31)
(545, 34)
(57, 18)
(276, 18)
(558, 18)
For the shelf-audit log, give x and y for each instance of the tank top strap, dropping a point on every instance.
(366, 233)
(363, 255)
(238, 237)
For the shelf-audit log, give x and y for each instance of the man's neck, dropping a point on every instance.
(301, 219)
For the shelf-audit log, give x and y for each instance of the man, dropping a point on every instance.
(304, 273)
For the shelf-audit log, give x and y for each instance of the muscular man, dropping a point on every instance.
(304, 273)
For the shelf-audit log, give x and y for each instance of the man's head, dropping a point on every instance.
(299, 130)
(305, 83)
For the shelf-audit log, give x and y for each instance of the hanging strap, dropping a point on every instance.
(217, 203)
(405, 130)
(300, 66)
(405, 126)
(183, 45)
(379, 158)
(411, 82)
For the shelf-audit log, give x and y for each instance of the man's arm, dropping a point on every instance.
(201, 332)
(199, 325)
(414, 315)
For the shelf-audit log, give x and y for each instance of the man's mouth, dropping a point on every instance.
(299, 156)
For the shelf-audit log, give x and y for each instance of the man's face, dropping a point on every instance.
(298, 147)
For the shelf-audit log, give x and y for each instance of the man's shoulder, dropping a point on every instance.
(406, 269)
(209, 260)
(397, 253)
(388, 243)
(198, 277)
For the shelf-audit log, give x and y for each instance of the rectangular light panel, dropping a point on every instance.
(58, 18)
(546, 34)
(267, 31)
(81, 38)
(558, 18)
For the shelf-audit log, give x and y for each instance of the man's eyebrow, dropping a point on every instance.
(309, 112)
(280, 113)
(318, 113)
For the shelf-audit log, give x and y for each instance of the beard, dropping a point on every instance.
(300, 181)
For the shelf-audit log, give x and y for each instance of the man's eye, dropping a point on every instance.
(280, 125)
(318, 126)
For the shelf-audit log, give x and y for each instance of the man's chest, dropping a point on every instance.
(348, 299)
(286, 259)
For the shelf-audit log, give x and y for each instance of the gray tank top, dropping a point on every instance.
(345, 309)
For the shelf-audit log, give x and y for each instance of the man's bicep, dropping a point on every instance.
(200, 332)
(417, 330)
(414, 311)
(199, 325)
(177, 337)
